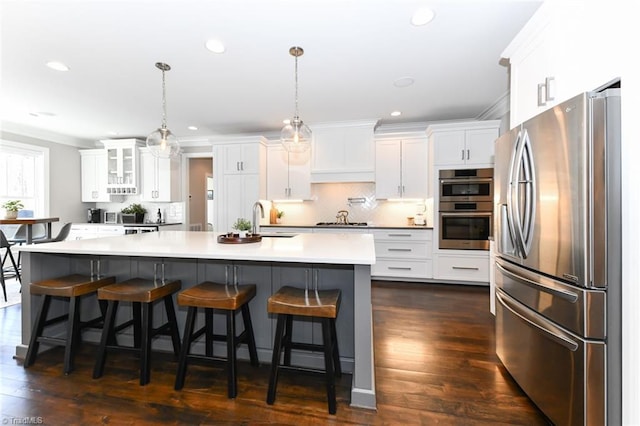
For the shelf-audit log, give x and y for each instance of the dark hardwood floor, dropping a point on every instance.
(434, 362)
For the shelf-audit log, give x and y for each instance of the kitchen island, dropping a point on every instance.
(335, 260)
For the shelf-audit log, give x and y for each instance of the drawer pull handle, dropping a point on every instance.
(469, 268)
(399, 235)
(401, 268)
(399, 249)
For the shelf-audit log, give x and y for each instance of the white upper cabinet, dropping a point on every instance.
(93, 165)
(288, 174)
(401, 168)
(122, 165)
(463, 144)
(560, 53)
(343, 152)
(240, 158)
(161, 177)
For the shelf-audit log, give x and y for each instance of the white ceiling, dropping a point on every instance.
(354, 51)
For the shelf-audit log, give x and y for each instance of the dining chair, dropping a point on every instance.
(4, 244)
(62, 235)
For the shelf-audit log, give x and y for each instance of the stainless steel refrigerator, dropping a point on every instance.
(558, 269)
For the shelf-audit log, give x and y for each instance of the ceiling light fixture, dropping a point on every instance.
(422, 17)
(58, 66)
(403, 82)
(396, 114)
(162, 143)
(216, 46)
(296, 136)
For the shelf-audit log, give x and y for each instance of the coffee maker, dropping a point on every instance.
(94, 215)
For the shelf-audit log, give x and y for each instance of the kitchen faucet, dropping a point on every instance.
(255, 230)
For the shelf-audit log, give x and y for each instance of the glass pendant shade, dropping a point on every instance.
(296, 136)
(162, 143)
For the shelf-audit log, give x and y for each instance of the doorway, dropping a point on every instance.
(200, 194)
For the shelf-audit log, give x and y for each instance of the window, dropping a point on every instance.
(22, 176)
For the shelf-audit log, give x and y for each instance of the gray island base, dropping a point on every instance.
(340, 261)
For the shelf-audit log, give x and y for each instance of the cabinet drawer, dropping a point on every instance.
(402, 268)
(403, 235)
(463, 268)
(403, 250)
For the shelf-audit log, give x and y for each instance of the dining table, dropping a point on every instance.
(29, 222)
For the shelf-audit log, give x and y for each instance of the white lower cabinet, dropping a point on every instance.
(403, 254)
(467, 265)
(84, 231)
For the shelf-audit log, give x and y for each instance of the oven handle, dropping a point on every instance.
(538, 322)
(467, 213)
(466, 180)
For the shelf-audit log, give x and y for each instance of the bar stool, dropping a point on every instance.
(70, 288)
(230, 299)
(142, 293)
(323, 304)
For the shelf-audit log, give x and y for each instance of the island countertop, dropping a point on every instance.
(338, 248)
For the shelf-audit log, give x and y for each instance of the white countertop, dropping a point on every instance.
(335, 248)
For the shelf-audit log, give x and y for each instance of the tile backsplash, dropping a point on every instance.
(329, 198)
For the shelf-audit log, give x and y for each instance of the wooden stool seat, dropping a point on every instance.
(142, 293)
(71, 288)
(229, 298)
(70, 285)
(217, 296)
(308, 303)
(323, 304)
(138, 290)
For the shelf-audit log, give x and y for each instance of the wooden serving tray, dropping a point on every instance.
(225, 239)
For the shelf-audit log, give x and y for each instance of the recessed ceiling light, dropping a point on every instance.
(58, 66)
(192, 128)
(216, 46)
(404, 82)
(396, 114)
(41, 114)
(286, 121)
(112, 133)
(422, 17)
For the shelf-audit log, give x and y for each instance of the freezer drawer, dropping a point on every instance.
(579, 310)
(561, 373)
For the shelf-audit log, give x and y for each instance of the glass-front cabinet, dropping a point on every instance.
(122, 166)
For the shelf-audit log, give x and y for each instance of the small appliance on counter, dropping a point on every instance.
(94, 215)
(110, 217)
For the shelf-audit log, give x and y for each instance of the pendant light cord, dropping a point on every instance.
(296, 78)
(164, 103)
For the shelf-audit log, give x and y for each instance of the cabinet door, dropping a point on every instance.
(241, 158)
(414, 168)
(300, 175)
(167, 179)
(93, 166)
(480, 146)
(277, 173)
(449, 148)
(149, 181)
(388, 169)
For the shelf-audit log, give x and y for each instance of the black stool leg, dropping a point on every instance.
(328, 364)
(145, 348)
(4, 288)
(287, 341)
(173, 323)
(275, 360)
(232, 388)
(336, 352)
(251, 342)
(184, 349)
(38, 326)
(107, 331)
(73, 333)
(208, 331)
(137, 324)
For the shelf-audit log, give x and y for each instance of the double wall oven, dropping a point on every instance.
(465, 208)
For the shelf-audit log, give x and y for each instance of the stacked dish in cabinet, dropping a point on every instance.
(403, 253)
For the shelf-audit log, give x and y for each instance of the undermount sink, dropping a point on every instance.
(278, 235)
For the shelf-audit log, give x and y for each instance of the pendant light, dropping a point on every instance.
(162, 143)
(296, 136)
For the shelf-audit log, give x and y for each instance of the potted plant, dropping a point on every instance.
(11, 208)
(134, 213)
(279, 216)
(243, 226)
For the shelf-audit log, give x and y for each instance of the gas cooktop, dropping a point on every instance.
(341, 224)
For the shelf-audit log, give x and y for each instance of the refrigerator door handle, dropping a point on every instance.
(513, 195)
(564, 294)
(545, 327)
(513, 164)
(528, 169)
